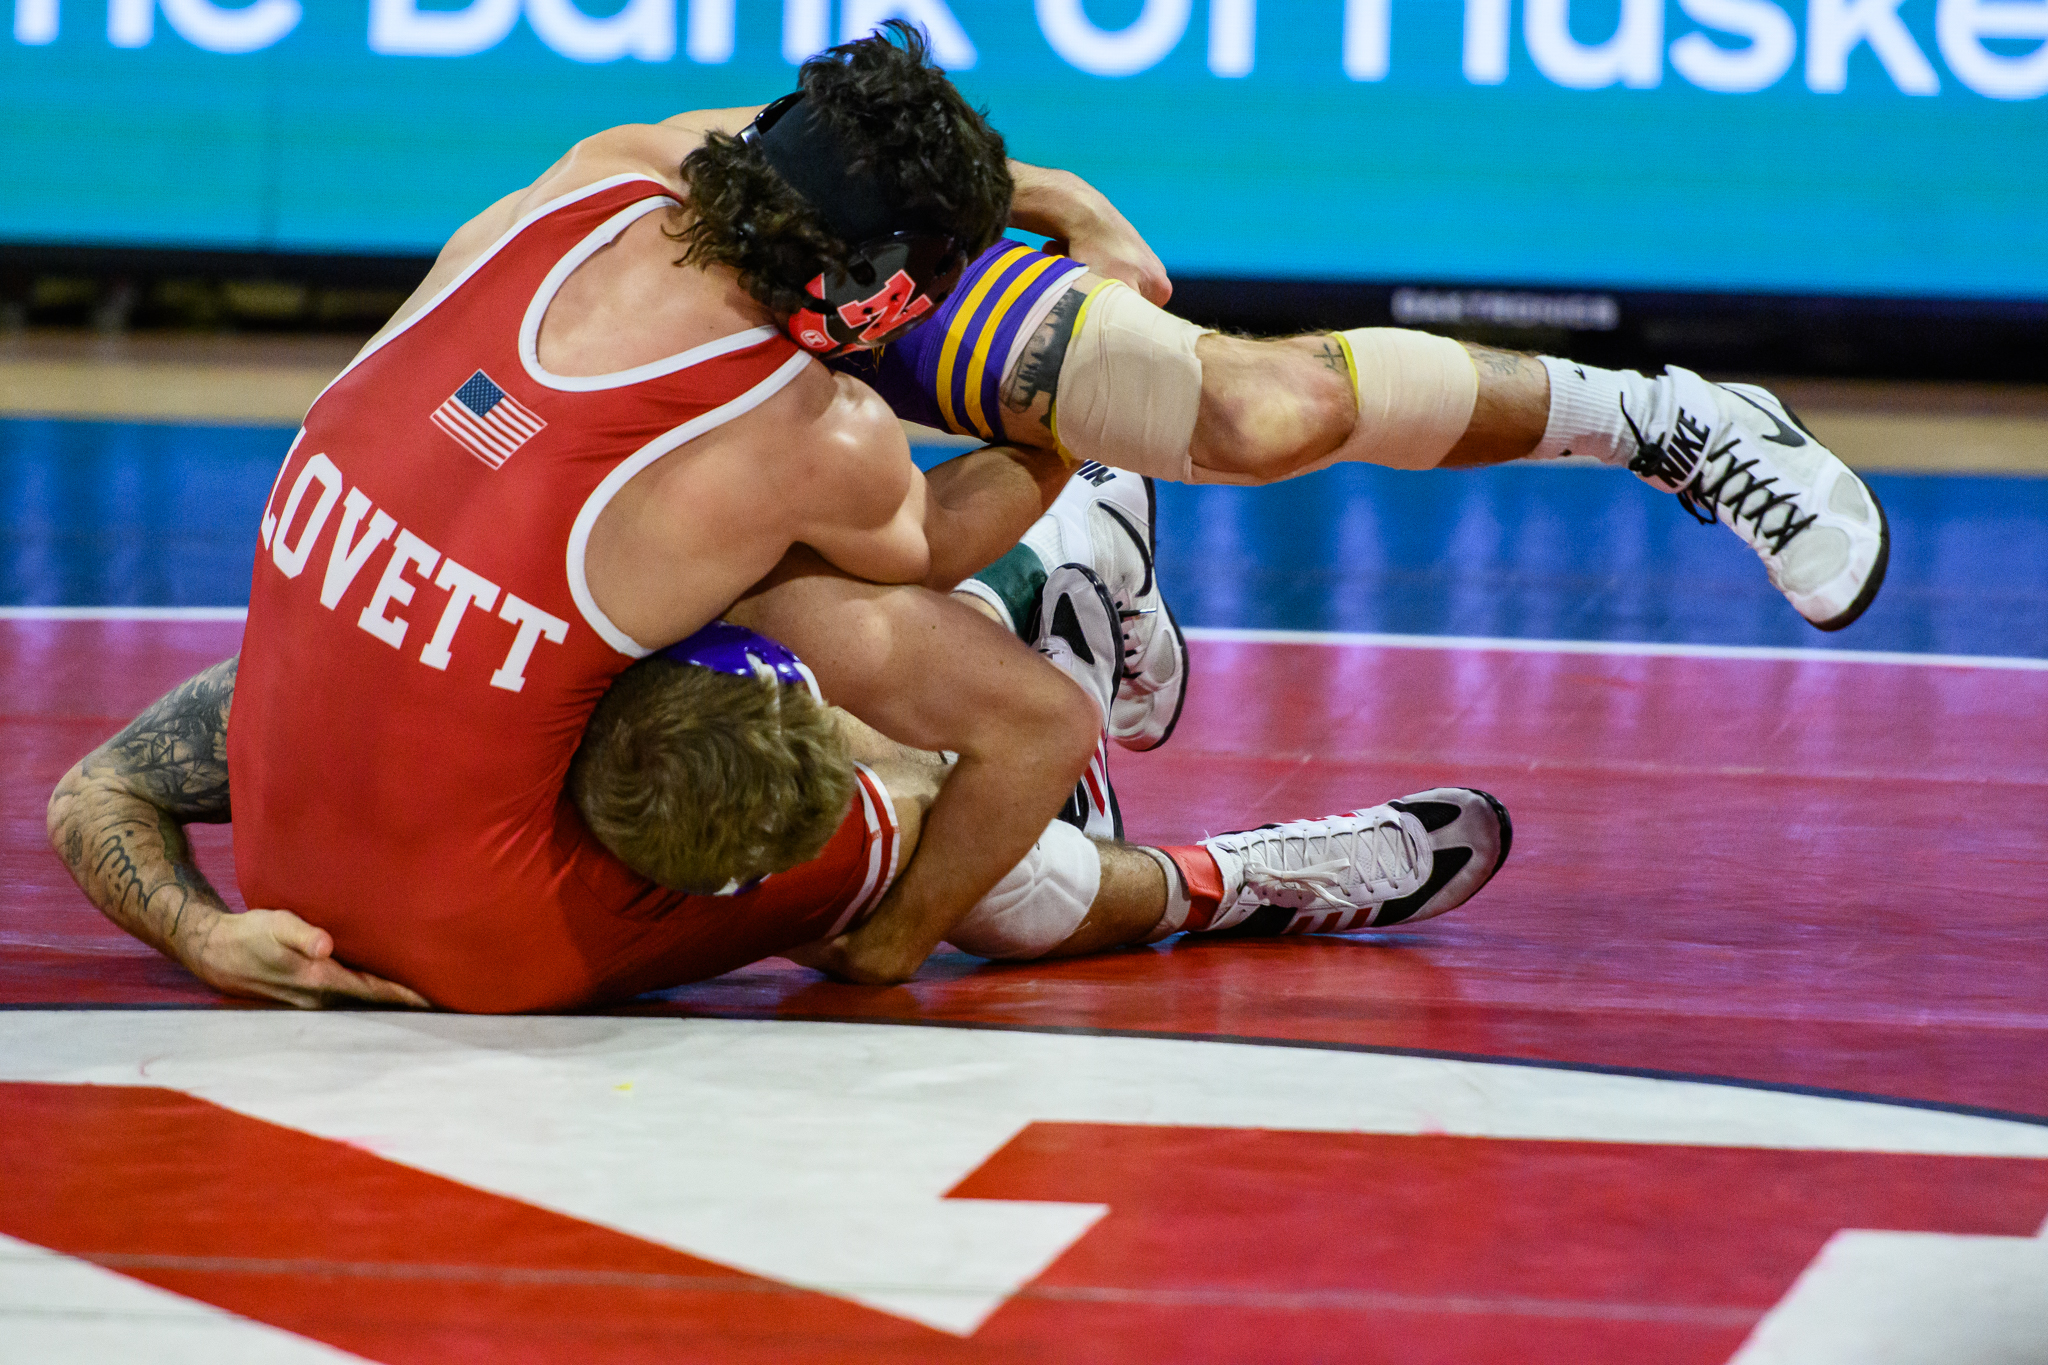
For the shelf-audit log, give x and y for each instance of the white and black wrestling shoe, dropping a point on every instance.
(1734, 453)
(1107, 519)
(1077, 629)
(1407, 860)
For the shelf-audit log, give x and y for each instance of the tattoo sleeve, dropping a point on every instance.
(1034, 388)
(117, 819)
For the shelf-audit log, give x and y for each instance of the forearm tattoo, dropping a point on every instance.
(117, 818)
(1033, 389)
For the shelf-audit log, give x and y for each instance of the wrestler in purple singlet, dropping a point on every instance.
(947, 372)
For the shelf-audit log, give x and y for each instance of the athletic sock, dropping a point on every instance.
(1175, 917)
(1201, 880)
(1587, 407)
(1013, 585)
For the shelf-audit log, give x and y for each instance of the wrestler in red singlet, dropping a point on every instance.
(422, 654)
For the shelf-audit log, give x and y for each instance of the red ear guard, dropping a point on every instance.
(897, 270)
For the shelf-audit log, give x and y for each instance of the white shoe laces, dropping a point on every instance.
(1342, 862)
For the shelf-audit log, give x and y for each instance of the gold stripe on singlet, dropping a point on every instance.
(977, 367)
(956, 331)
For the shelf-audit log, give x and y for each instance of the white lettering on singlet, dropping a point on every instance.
(464, 588)
(346, 560)
(409, 549)
(533, 623)
(289, 558)
(270, 503)
(360, 529)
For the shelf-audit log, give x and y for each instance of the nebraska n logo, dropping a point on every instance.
(896, 303)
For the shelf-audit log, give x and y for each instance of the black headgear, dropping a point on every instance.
(898, 267)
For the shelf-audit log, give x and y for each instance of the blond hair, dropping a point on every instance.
(695, 778)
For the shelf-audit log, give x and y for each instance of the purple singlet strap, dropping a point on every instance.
(727, 648)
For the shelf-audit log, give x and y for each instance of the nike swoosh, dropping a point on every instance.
(1784, 435)
(1137, 540)
(1068, 627)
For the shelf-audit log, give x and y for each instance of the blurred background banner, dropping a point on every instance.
(1888, 148)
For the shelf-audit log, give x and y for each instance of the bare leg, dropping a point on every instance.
(1128, 902)
(1270, 408)
(1512, 411)
(1127, 907)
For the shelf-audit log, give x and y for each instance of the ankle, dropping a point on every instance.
(1201, 882)
(1591, 410)
(1009, 589)
(1510, 414)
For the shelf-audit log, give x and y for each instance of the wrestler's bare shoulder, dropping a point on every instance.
(825, 448)
(654, 150)
(823, 462)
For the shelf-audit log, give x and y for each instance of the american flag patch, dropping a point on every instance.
(489, 422)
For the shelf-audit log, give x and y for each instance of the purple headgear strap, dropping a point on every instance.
(727, 648)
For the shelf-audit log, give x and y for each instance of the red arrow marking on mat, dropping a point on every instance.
(388, 1262)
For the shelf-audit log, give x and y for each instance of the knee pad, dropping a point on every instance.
(1130, 387)
(1416, 393)
(1041, 901)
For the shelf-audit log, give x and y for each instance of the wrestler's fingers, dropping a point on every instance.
(1125, 258)
(337, 982)
(1147, 277)
(309, 975)
(296, 937)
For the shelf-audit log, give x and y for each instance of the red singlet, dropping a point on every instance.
(422, 654)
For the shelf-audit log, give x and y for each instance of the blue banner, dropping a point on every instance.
(1887, 147)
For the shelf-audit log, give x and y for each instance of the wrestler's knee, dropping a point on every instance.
(1269, 409)
(1039, 903)
(1067, 721)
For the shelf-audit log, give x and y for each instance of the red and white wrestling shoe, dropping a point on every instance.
(1106, 519)
(1407, 860)
(1734, 453)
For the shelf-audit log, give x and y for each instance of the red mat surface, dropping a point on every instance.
(1819, 874)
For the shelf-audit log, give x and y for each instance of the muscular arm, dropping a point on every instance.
(939, 526)
(980, 504)
(117, 819)
(1085, 225)
(928, 672)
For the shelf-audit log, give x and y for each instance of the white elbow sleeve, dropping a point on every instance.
(1040, 902)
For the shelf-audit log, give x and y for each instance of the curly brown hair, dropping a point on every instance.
(905, 124)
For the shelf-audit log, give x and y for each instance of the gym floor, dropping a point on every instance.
(1742, 1058)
